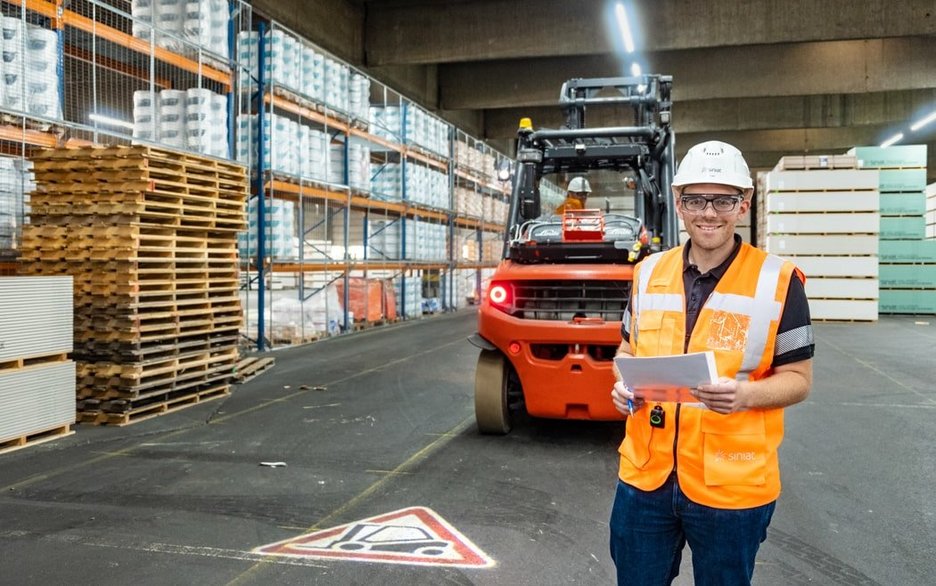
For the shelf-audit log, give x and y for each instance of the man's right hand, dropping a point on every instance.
(620, 394)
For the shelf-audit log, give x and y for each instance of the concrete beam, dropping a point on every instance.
(418, 83)
(443, 32)
(834, 110)
(763, 148)
(335, 25)
(840, 67)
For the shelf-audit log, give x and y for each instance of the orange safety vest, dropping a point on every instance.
(570, 203)
(724, 461)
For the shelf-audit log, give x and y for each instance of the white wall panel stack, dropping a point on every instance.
(425, 130)
(172, 118)
(905, 287)
(206, 24)
(359, 167)
(206, 122)
(14, 63)
(425, 241)
(248, 56)
(336, 164)
(35, 323)
(383, 239)
(280, 220)
(387, 122)
(386, 180)
(824, 221)
(931, 211)
(146, 115)
(337, 84)
(202, 23)
(312, 72)
(29, 77)
(16, 183)
(42, 82)
(359, 96)
(468, 202)
(427, 185)
(409, 295)
(194, 119)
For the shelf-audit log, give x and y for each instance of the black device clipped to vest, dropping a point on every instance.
(658, 417)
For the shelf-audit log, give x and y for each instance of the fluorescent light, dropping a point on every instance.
(625, 27)
(896, 138)
(923, 122)
(635, 69)
(108, 121)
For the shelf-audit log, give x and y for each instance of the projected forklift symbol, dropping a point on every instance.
(415, 535)
(399, 539)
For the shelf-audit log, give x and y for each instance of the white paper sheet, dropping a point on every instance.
(668, 378)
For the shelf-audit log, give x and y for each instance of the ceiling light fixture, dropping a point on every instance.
(896, 138)
(924, 122)
(621, 15)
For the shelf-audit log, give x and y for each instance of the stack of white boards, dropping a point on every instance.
(931, 211)
(37, 380)
(827, 222)
(908, 280)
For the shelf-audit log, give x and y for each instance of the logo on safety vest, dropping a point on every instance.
(416, 535)
(723, 456)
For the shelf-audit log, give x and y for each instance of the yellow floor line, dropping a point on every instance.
(402, 468)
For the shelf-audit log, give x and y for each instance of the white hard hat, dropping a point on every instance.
(579, 185)
(714, 162)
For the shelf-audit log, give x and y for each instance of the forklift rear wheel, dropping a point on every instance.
(491, 409)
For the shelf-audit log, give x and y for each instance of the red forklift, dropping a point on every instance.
(549, 322)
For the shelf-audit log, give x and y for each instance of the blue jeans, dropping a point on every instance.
(650, 529)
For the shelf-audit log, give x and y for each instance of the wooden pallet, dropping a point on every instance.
(170, 404)
(27, 361)
(251, 367)
(35, 438)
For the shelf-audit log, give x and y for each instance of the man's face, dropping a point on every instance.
(711, 229)
(579, 195)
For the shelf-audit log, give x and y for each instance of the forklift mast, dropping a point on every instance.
(646, 148)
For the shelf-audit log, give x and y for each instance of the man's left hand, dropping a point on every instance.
(722, 397)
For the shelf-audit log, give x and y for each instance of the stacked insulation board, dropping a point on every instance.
(149, 236)
(37, 380)
(827, 222)
(931, 211)
(908, 281)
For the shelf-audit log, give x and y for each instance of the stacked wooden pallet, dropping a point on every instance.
(827, 222)
(906, 287)
(37, 380)
(150, 238)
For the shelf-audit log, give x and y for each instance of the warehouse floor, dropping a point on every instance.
(388, 454)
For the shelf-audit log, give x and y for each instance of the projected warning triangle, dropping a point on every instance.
(416, 535)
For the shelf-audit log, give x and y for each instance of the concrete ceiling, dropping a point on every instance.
(774, 78)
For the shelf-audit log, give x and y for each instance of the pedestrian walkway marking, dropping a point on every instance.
(416, 535)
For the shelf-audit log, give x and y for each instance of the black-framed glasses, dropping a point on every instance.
(722, 204)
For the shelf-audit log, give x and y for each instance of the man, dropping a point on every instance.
(708, 475)
(576, 195)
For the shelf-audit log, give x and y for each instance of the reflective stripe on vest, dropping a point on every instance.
(646, 267)
(762, 309)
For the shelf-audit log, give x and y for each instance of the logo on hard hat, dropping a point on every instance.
(711, 170)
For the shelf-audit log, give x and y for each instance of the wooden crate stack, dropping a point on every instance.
(826, 220)
(150, 237)
(907, 285)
